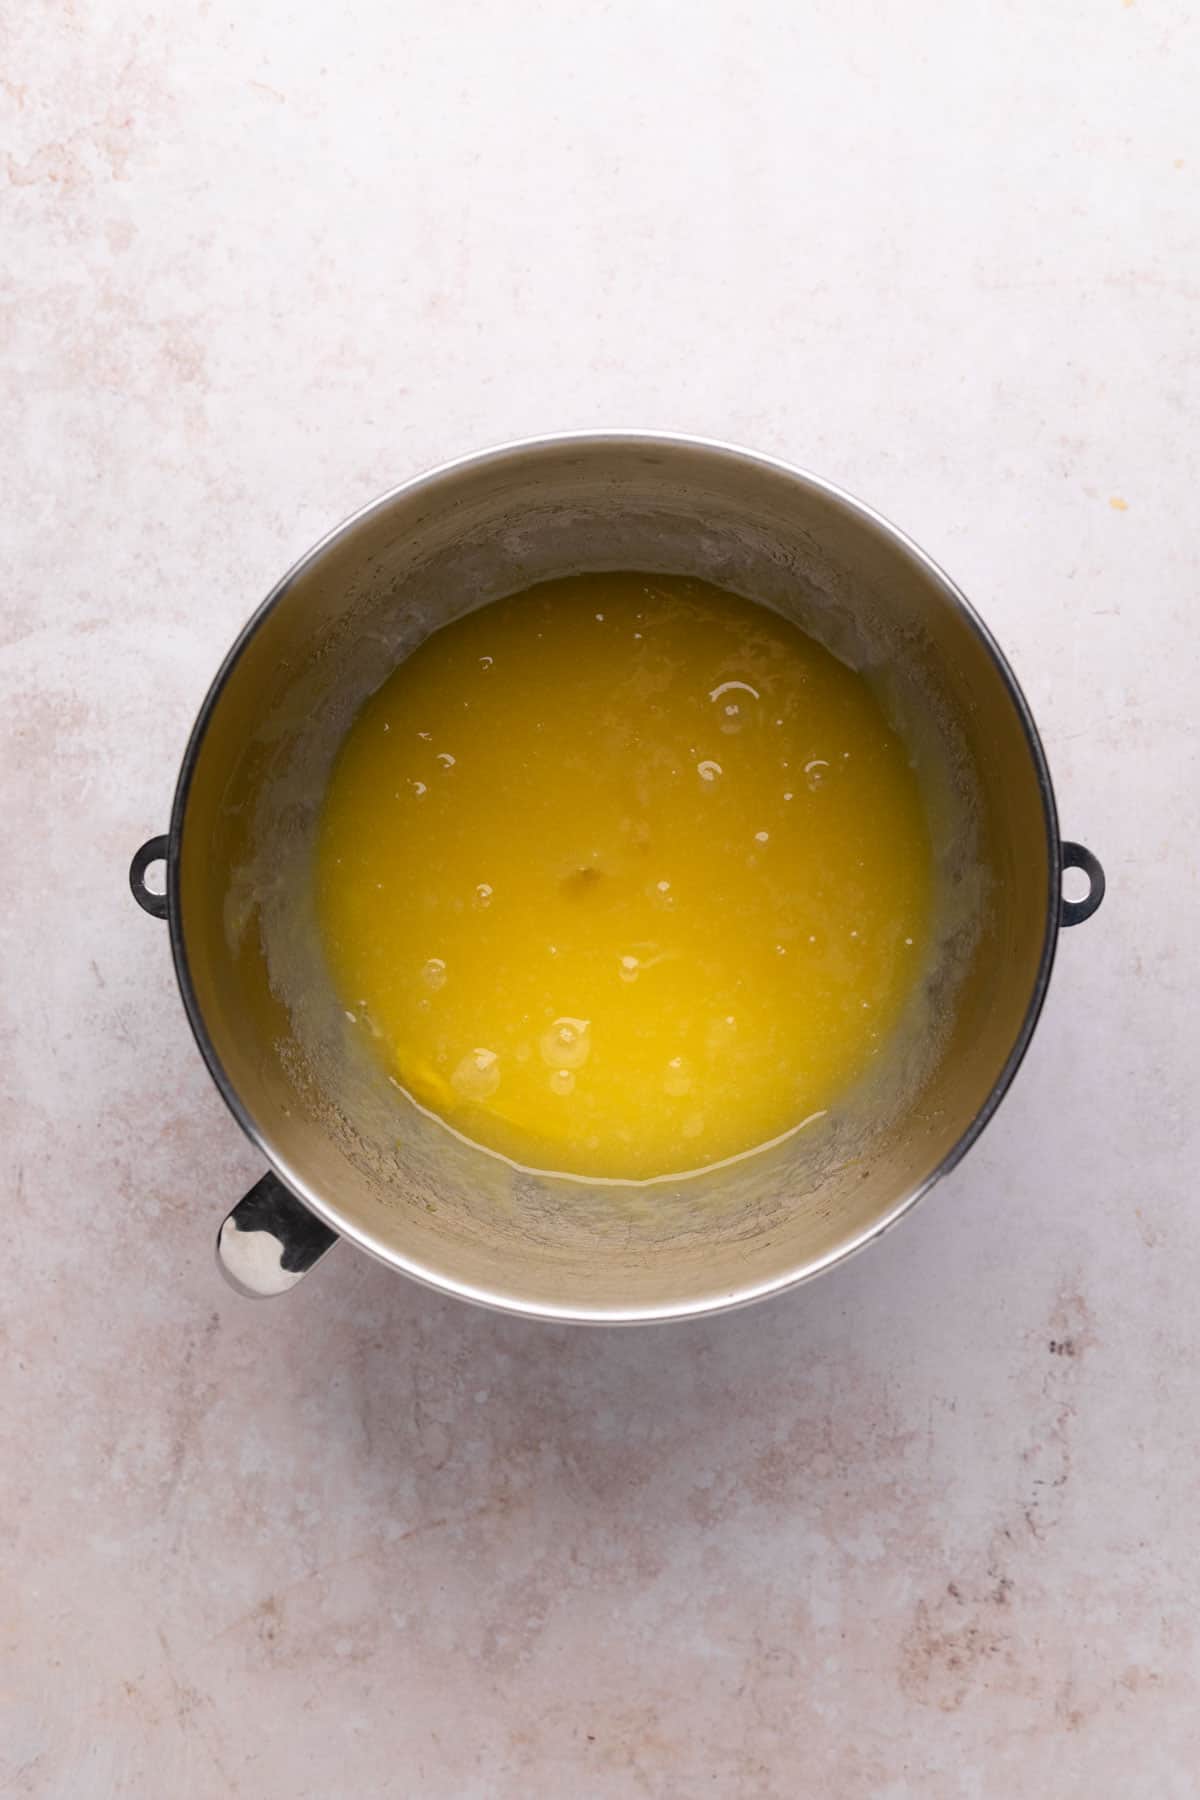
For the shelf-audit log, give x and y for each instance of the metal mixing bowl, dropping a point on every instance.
(350, 1156)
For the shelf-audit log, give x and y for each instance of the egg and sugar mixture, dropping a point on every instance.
(623, 876)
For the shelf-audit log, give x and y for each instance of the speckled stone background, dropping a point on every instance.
(923, 1530)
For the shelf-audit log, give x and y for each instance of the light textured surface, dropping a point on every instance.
(880, 1540)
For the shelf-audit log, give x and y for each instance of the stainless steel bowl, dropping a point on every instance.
(350, 1157)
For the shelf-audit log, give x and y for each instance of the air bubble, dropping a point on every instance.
(816, 772)
(485, 662)
(761, 837)
(562, 1082)
(567, 1044)
(629, 968)
(708, 771)
(447, 761)
(433, 973)
(418, 788)
(478, 1075)
(483, 893)
(678, 1079)
(731, 720)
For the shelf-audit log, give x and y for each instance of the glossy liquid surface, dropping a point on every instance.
(623, 875)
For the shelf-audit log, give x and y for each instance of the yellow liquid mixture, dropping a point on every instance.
(624, 875)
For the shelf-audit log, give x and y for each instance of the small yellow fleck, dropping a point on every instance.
(1119, 505)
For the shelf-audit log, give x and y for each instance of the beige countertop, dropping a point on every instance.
(922, 1530)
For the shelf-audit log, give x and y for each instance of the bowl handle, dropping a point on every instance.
(270, 1241)
(1074, 856)
(154, 850)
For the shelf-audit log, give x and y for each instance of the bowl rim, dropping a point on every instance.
(498, 1299)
